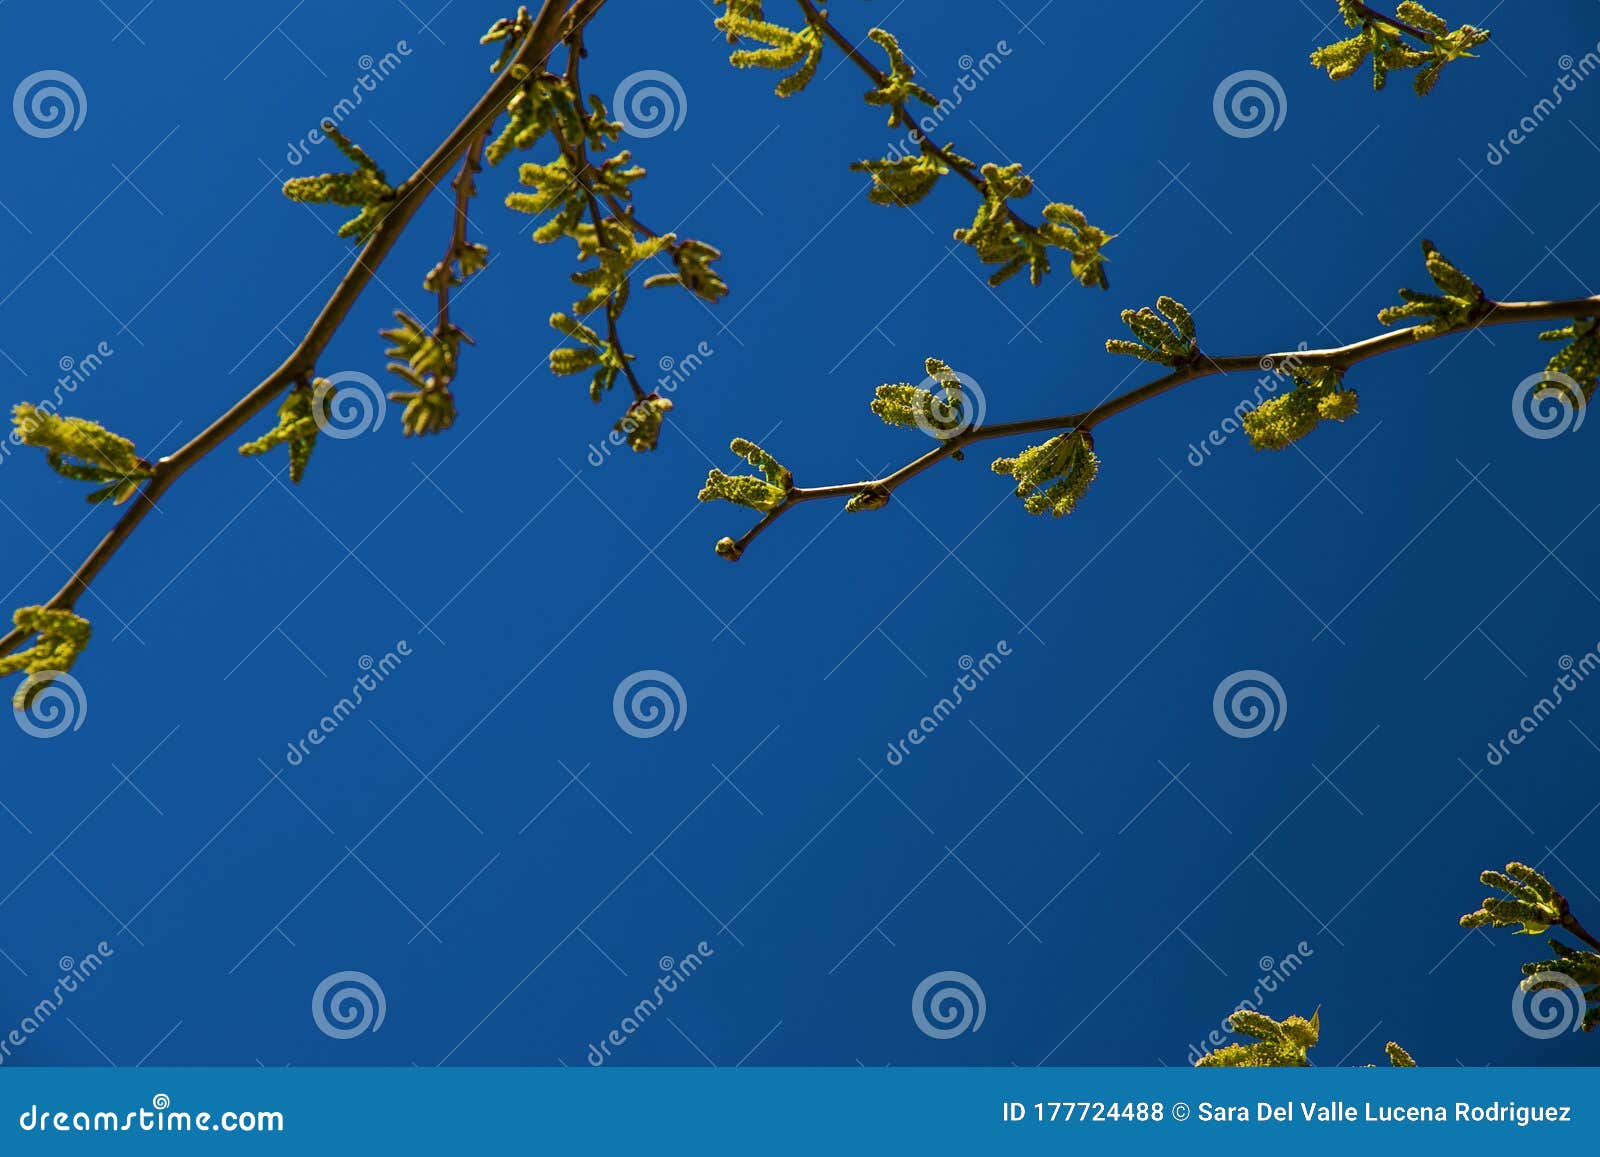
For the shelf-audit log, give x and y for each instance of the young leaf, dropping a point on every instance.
(786, 48)
(84, 451)
(297, 427)
(1459, 300)
(1168, 339)
(366, 187)
(764, 494)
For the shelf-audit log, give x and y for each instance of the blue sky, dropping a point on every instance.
(1081, 838)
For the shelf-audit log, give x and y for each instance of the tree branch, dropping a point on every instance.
(1202, 366)
(1395, 22)
(550, 26)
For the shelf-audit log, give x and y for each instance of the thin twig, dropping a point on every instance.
(577, 154)
(955, 164)
(1395, 22)
(465, 187)
(1341, 357)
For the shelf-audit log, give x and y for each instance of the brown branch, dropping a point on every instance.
(549, 27)
(1202, 366)
(1395, 22)
(1570, 923)
(465, 187)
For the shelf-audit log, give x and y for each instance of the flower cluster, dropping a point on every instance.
(1530, 900)
(764, 494)
(1055, 475)
(83, 451)
(1318, 396)
(1459, 301)
(1413, 38)
(366, 187)
(298, 424)
(1167, 339)
(1280, 1044)
(60, 637)
(1579, 359)
(941, 415)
